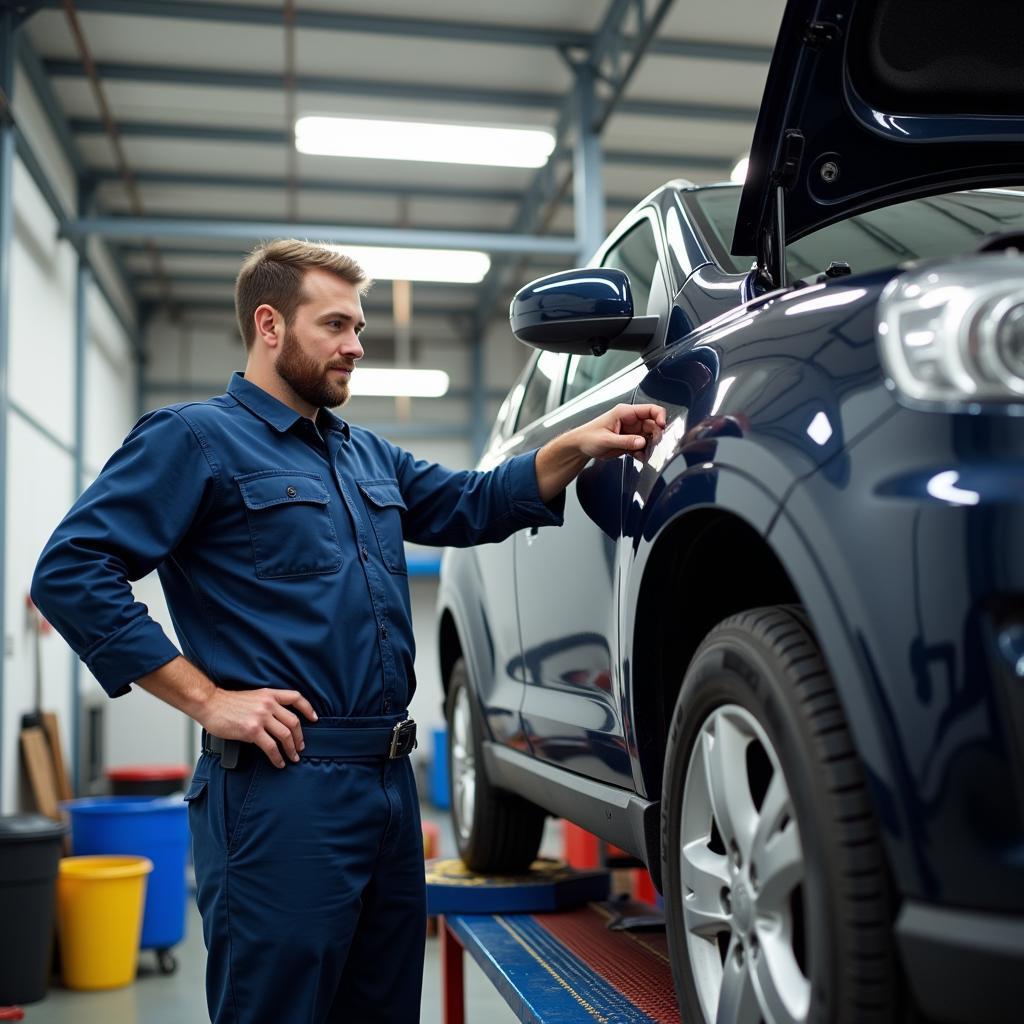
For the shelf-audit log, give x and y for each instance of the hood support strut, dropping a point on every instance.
(772, 256)
(780, 230)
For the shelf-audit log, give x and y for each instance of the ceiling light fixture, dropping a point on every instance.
(373, 382)
(417, 140)
(453, 266)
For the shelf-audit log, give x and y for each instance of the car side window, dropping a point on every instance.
(550, 366)
(636, 255)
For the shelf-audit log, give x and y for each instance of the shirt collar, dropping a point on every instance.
(280, 416)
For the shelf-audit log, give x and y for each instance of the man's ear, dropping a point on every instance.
(269, 325)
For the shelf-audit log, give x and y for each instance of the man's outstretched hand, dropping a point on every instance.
(622, 429)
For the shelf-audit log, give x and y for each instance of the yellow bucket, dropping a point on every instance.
(99, 918)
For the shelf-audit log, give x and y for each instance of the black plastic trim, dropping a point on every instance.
(616, 815)
(963, 967)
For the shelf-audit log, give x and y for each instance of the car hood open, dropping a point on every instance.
(869, 102)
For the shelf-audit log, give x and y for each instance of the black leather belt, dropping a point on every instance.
(338, 738)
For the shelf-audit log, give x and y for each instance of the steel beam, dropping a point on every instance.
(8, 45)
(39, 427)
(272, 81)
(167, 227)
(703, 161)
(141, 359)
(376, 311)
(333, 185)
(112, 71)
(587, 180)
(135, 248)
(439, 291)
(417, 28)
(477, 411)
(619, 77)
(605, 60)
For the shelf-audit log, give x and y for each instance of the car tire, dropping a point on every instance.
(496, 832)
(777, 897)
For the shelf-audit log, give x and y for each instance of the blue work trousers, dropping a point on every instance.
(310, 883)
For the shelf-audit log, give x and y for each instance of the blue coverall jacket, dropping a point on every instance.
(279, 545)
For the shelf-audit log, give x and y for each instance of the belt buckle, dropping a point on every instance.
(403, 739)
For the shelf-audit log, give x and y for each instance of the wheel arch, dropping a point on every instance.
(781, 567)
(449, 646)
(689, 553)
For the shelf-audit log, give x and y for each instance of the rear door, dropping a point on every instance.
(566, 578)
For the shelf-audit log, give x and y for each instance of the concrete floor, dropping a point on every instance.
(179, 998)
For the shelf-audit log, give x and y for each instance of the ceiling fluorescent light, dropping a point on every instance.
(368, 381)
(454, 266)
(739, 172)
(416, 140)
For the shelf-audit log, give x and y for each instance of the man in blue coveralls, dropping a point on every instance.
(277, 531)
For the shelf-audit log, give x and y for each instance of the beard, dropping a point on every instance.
(308, 378)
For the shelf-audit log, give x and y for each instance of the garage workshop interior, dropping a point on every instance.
(512, 512)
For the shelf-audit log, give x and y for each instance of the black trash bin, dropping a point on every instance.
(30, 849)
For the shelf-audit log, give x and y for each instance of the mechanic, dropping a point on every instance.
(277, 531)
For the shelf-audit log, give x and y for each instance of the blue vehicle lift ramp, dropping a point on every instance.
(562, 967)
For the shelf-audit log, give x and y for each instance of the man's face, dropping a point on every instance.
(320, 348)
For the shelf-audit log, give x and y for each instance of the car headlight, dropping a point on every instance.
(953, 336)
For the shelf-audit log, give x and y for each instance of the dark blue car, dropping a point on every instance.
(779, 655)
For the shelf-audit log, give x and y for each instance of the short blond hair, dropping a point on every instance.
(272, 273)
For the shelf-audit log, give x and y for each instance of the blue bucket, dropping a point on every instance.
(153, 827)
(439, 796)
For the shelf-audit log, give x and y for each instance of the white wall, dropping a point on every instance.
(40, 428)
(138, 728)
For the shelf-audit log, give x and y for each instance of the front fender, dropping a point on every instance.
(704, 492)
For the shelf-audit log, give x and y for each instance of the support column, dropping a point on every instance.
(83, 277)
(8, 40)
(588, 175)
(477, 391)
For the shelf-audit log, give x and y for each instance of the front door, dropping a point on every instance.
(566, 578)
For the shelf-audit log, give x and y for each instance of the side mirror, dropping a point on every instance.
(582, 312)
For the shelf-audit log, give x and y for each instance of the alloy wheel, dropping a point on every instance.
(742, 871)
(463, 765)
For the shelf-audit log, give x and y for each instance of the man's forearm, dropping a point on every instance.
(558, 463)
(180, 684)
(624, 428)
(262, 716)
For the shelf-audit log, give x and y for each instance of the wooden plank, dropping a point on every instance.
(36, 751)
(52, 728)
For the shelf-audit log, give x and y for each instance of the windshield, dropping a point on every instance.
(917, 229)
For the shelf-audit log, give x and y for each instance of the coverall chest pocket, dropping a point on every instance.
(384, 507)
(290, 523)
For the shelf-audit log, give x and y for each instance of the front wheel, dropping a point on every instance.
(777, 899)
(495, 831)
